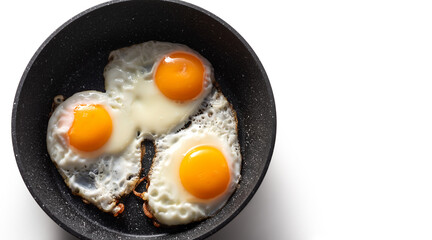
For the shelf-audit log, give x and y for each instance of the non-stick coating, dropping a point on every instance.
(72, 59)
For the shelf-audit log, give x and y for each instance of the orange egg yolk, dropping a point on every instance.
(180, 76)
(204, 172)
(91, 127)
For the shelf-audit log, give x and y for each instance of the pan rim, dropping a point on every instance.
(271, 108)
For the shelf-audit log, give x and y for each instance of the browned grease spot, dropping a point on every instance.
(56, 101)
(121, 205)
(146, 211)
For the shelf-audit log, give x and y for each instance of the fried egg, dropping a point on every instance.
(160, 83)
(196, 169)
(95, 149)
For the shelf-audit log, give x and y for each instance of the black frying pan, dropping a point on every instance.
(72, 59)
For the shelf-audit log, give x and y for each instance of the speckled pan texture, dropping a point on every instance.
(72, 59)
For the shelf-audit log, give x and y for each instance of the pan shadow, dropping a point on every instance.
(64, 235)
(256, 219)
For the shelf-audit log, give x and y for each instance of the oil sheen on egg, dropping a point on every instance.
(135, 77)
(184, 188)
(100, 158)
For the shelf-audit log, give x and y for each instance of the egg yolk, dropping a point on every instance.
(180, 76)
(204, 172)
(91, 127)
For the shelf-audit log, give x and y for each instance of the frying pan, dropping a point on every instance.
(73, 58)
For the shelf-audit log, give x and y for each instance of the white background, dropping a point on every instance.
(353, 87)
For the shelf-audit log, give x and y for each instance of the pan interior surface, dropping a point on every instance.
(73, 58)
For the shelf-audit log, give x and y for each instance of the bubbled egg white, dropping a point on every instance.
(168, 201)
(100, 177)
